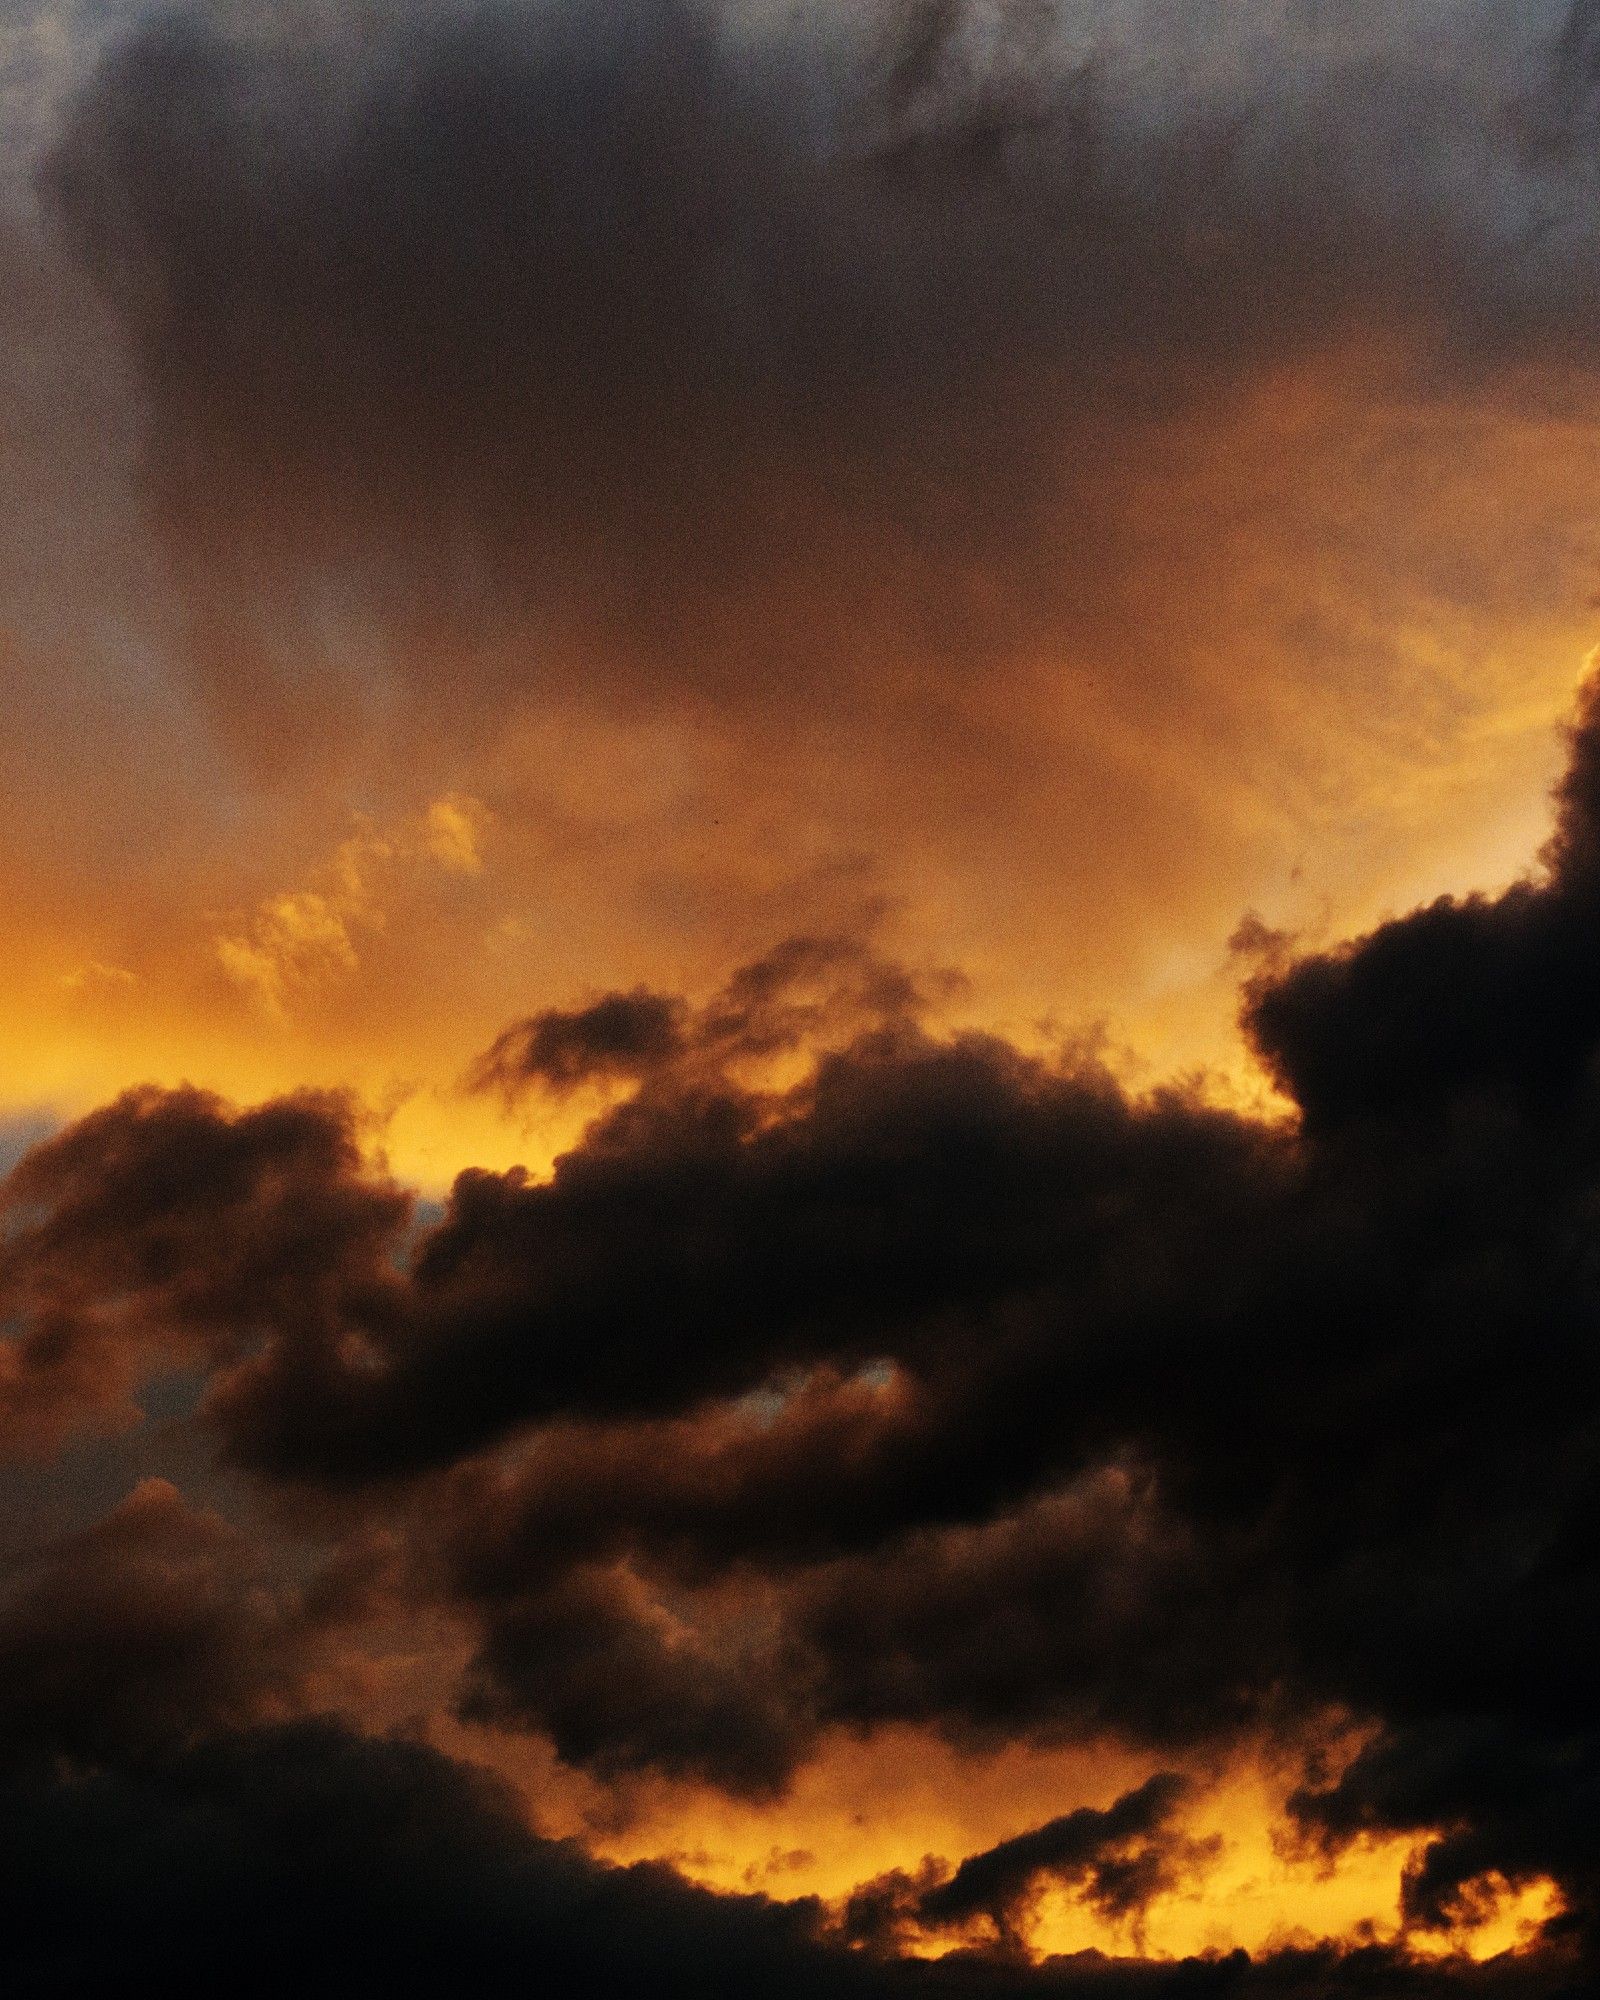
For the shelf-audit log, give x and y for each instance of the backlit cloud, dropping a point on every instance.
(802, 1052)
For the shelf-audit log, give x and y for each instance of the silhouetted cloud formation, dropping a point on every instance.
(1083, 1846)
(947, 1384)
(848, 1372)
(1116, 1860)
(139, 1782)
(153, 1626)
(1474, 1001)
(166, 1231)
(800, 995)
(303, 1856)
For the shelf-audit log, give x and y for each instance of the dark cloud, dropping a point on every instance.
(1110, 1855)
(1181, 1425)
(846, 1372)
(307, 1858)
(1066, 1618)
(620, 1036)
(154, 1626)
(798, 996)
(908, 1188)
(167, 1231)
(1493, 1002)
(155, 1830)
(304, 1858)
(1515, 1802)
(619, 1684)
(948, 1385)
(1116, 1860)
(630, 349)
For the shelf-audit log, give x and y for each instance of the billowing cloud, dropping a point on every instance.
(1052, 475)
(796, 998)
(167, 1232)
(304, 1855)
(522, 507)
(156, 1625)
(947, 1385)
(1112, 1855)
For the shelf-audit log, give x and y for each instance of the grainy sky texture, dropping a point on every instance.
(800, 1086)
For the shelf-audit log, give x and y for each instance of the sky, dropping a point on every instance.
(800, 1083)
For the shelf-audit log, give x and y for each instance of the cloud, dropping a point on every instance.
(515, 355)
(301, 939)
(305, 1855)
(1117, 1860)
(803, 996)
(167, 1231)
(1493, 1001)
(621, 1035)
(725, 1197)
(939, 1383)
(452, 833)
(1042, 473)
(1086, 1848)
(941, 1387)
(962, 434)
(156, 1626)
(949, 1385)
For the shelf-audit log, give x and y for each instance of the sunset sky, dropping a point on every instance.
(800, 1081)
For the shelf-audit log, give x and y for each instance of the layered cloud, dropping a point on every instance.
(690, 594)
(921, 1381)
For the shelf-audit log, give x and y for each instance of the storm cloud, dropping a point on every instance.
(666, 354)
(795, 474)
(950, 1385)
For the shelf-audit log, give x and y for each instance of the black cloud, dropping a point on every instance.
(1084, 1845)
(302, 1857)
(1071, 1413)
(948, 1385)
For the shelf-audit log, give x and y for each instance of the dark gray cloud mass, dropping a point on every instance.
(654, 352)
(948, 1385)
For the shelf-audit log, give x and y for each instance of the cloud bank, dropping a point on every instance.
(937, 444)
(941, 1384)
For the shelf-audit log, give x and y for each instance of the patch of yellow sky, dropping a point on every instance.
(389, 966)
(863, 1806)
